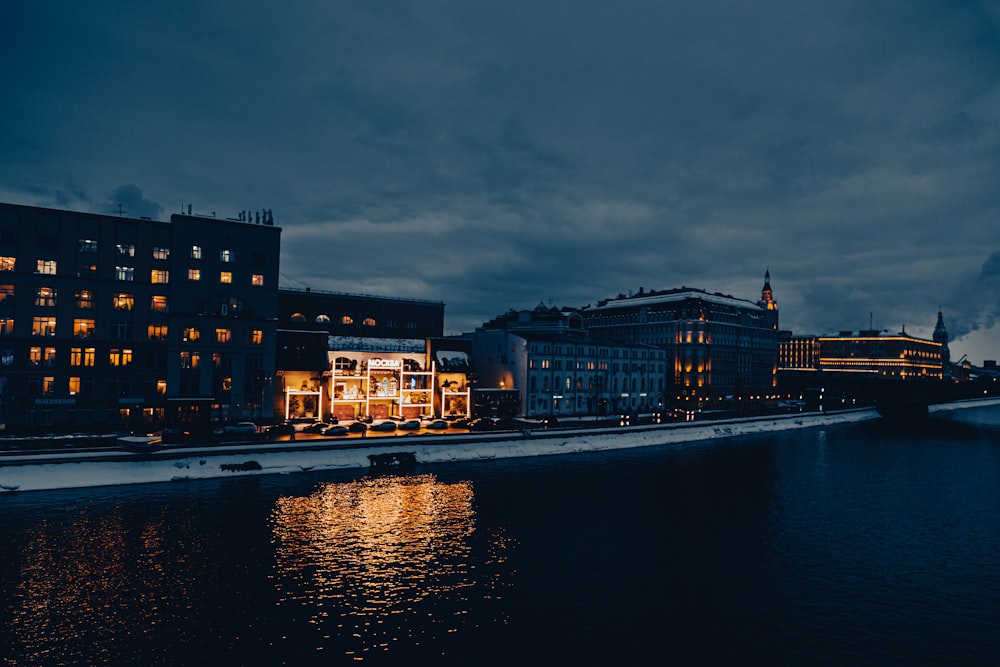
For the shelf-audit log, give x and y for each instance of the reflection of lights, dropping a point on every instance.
(373, 550)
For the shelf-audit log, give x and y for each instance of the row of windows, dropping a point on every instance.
(128, 250)
(86, 357)
(125, 273)
(122, 330)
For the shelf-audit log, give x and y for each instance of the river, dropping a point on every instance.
(864, 544)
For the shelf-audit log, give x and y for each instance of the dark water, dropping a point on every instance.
(858, 545)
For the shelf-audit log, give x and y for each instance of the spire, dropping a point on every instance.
(766, 295)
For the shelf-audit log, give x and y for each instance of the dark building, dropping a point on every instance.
(720, 349)
(107, 320)
(360, 315)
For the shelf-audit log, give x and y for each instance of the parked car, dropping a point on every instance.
(279, 429)
(387, 425)
(357, 427)
(437, 424)
(315, 427)
(240, 428)
(335, 429)
(410, 425)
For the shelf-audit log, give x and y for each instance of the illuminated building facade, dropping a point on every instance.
(719, 348)
(108, 321)
(898, 356)
(558, 368)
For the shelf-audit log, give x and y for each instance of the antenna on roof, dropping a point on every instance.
(120, 211)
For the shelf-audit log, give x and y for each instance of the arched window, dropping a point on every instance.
(322, 319)
(298, 317)
(369, 322)
(346, 319)
(345, 364)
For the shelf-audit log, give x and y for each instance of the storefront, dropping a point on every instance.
(381, 385)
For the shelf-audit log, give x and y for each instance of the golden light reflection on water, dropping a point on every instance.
(387, 561)
(86, 583)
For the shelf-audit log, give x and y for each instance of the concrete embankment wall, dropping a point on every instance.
(114, 468)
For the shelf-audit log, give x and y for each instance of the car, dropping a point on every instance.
(315, 427)
(239, 428)
(335, 429)
(387, 425)
(357, 427)
(437, 424)
(410, 425)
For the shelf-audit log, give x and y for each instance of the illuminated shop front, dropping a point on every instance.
(381, 385)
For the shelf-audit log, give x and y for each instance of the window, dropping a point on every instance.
(48, 385)
(223, 335)
(190, 359)
(7, 294)
(74, 385)
(75, 356)
(45, 296)
(161, 387)
(158, 303)
(6, 357)
(226, 277)
(124, 301)
(124, 273)
(194, 274)
(83, 328)
(49, 356)
(161, 253)
(43, 326)
(88, 246)
(126, 249)
(368, 322)
(85, 269)
(159, 277)
(190, 334)
(346, 319)
(47, 266)
(120, 357)
(84, 299)
(227, 256)
(121, 330)
(35, 356)
(89, 354)
(322, 319)
(157, 332)
(7, 263)
(196, 252)
(257, 279)
(256, 337)
(6, 326)
(298, 317)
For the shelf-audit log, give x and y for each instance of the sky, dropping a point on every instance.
(494, 156)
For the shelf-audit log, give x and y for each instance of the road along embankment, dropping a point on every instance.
(80, 470)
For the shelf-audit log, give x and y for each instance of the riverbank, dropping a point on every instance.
(37, 472)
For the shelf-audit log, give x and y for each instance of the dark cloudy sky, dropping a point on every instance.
(492, 155)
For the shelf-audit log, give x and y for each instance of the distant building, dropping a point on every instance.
(557, 367)
(899, 356)
(108, 321)
(720, 349)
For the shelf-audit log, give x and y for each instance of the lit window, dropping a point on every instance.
(256, 337)
(257, 279)
(322, 319)
(75, 356)
(124, 273)
(368, 322)
(6, 326)
(157, 332)
(158, 303)
(223, 335)
(126, 249)
(88, 246)
(190, 334)
(120, 357)
(298, 317)
(195, 252)
(227, 256)
(85, 269)
(161, 387)
(194, 274)
(45, 296)
(83, 328)
(124, 301)
(190, 359)
(226, 277)
(89, 354)
(74, 385)
(49, 356)
(44, 326)
(35, 356)
(161, 253)
(7, 263)
(346, 319)
(6, 294)
(47, 266)
(227, 384)
(159, 277)
(84, 299)
(48, 385)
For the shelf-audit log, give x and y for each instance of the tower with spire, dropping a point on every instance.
(767, 301)
(941, 336)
